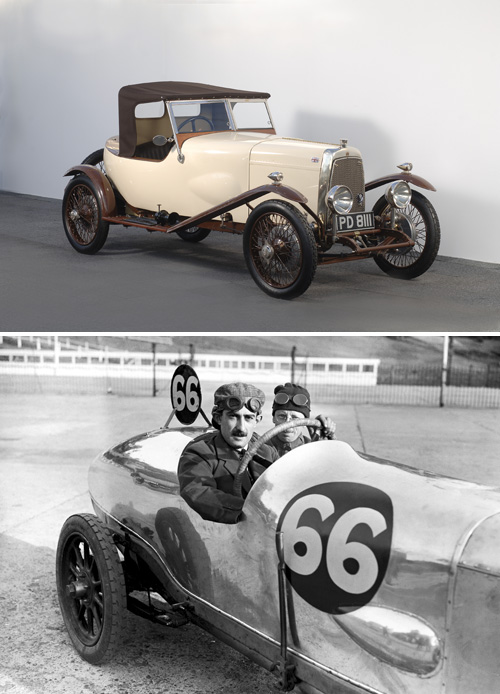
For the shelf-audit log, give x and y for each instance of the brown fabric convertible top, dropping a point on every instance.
(132, 95)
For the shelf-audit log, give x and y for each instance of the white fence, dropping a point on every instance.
(210, 367)
(77, 370)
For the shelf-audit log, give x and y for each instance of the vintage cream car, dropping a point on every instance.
(191, 158)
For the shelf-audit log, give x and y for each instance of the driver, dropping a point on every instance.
(209, 463)
(292, 403)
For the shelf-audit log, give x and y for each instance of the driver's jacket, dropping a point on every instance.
(283, 447)
(207, 468)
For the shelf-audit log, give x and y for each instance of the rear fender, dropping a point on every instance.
(102, 185)
(408, 177)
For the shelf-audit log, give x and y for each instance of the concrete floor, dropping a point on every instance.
(151, 282)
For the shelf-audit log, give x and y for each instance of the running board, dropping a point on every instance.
(172, 617)
(242, 199)
(143, 221)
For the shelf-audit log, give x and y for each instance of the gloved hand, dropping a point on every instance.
(327, 430)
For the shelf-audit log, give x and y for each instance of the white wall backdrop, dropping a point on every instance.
(403, 81)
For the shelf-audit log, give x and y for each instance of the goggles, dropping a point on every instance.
(284, 416)
(234, 403)
(298, 399)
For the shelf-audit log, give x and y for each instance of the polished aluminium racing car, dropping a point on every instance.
(346, 574)
(191, 158)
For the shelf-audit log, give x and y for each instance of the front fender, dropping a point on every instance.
(243, 199)
(408, 177)
(102, 186)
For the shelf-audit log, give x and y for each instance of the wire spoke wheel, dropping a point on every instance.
(419, 221)
(82, 216)
(276, 250)
(96, 159)
(280, 249)
(410, 221)
(91, 587)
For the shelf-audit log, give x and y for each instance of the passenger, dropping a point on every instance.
(209, 463)
(293, 402)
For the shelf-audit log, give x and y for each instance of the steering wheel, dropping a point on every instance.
(264, 439)
(192, 119)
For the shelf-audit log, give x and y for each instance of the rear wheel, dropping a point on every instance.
(90, 587)
(96, 159)
(420, 222)
(280, 249)
(82, 216)
(193, 234)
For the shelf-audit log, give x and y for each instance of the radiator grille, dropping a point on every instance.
(348, 171)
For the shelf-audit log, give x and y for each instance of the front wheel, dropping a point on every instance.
(419, 221)
(90, 587)
(82, 216)
(280, 249)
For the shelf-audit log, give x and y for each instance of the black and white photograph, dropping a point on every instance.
(240, 513)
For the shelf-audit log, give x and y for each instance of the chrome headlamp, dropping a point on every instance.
(398, 194)
(340, 199)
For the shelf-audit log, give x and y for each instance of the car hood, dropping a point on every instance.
(289, 151)
(268, 149)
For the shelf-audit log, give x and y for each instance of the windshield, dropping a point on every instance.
(216, 116)
(200, 116)
(251, 115)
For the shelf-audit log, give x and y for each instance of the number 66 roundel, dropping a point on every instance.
(337, 543)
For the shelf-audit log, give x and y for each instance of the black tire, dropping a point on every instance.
(82, 216)
(420, 222)
(96, 159)
(193, 234)
(90, 587)
(280, 249)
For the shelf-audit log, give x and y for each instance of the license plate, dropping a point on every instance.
(357, 221)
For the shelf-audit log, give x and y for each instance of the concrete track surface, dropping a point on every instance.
(46, 445)
(154, 282)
